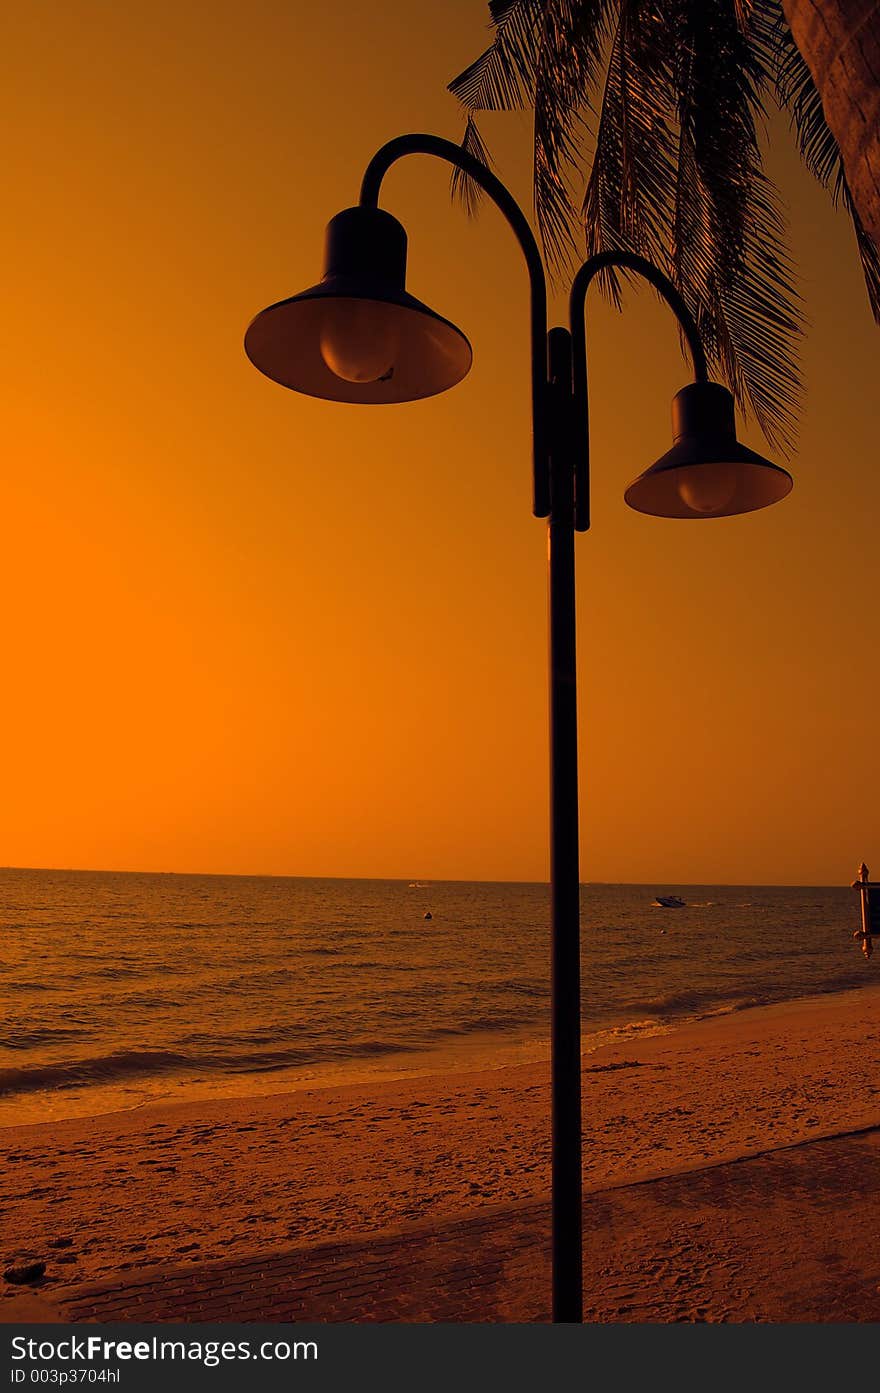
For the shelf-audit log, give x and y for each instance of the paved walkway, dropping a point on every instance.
(793, 1235)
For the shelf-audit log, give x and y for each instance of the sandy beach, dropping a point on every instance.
(103, 1199)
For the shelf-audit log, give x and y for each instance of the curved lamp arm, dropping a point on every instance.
(626, 261)
(506, 203)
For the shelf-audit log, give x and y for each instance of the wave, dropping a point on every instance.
(730, 997)
(27, 1038)
(134, 1064)
(99, 1069)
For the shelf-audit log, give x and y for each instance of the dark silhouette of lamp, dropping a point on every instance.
(358, 335)
(707, 473)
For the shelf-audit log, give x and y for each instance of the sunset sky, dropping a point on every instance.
(247, 631)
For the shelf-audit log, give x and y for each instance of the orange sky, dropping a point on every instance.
(251, 632)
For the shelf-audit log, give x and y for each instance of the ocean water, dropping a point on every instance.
(119, 989)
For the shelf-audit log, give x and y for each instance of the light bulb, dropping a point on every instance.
(707, 488)
(358, 341)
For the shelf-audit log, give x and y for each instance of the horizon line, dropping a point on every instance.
(433, 880)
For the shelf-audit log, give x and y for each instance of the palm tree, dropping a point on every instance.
(673, 94)
(840, 42)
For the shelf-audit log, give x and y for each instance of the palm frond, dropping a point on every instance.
(869, 252)
(743, 11)
(677, 173)
(601, 206)
(463, 186)
(627, 202)
(571, 59)
(798, 95)
(628, 199)
(677, 176)
(502, 78)
(547, 54)
(729, 246)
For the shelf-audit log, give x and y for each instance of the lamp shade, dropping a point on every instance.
(707, 473)
(358, 335)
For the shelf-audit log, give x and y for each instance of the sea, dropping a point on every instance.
(122, 989)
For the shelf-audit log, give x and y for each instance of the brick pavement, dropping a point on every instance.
(791, 1235)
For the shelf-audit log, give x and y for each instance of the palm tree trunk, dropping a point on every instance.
(840, 43)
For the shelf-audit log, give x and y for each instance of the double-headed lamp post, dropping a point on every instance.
(359, 336)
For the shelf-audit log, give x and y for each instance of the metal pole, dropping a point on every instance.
(553, 431)
(566, 1204)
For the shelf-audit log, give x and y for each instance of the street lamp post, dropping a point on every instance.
(359, 336)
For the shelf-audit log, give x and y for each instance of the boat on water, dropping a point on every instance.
(669, 902)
